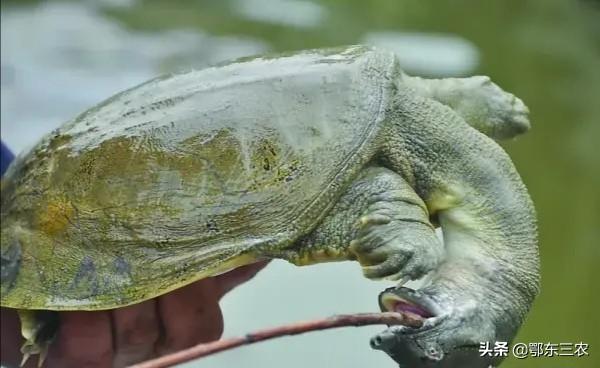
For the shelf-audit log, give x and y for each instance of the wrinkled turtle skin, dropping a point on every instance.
(322, 155)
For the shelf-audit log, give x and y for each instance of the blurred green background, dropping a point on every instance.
(62, 57)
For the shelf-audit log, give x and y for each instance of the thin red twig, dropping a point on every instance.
(344, 320)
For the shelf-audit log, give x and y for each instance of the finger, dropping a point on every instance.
(189, 316)
(83, 340)
(135, 332)
(229, 280)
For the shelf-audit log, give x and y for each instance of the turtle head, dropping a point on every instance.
(474, 299)
(462, 311)
(450, 336)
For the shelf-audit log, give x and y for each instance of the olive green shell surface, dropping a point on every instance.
(187, 176)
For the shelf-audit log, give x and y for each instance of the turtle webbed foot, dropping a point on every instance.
(30, 348)
(395, 240)
(38, 328)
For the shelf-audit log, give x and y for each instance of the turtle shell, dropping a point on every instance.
(187, 176)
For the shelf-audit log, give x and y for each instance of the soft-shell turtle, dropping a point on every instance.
(322, 155)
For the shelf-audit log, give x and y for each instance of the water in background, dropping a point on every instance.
(59, 58)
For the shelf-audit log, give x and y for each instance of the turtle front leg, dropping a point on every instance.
(379, 221)
(38, 328)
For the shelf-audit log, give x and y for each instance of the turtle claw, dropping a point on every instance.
(400, 279)
(374, 219)
(25, 357)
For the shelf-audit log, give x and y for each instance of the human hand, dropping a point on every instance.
(123, 336)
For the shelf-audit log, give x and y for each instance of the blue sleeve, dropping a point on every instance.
(5, 158)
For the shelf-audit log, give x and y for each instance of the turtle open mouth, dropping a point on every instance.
(405, 300)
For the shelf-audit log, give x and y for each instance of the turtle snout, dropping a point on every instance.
(398, 343)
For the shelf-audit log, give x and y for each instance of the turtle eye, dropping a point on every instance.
(434, 352)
